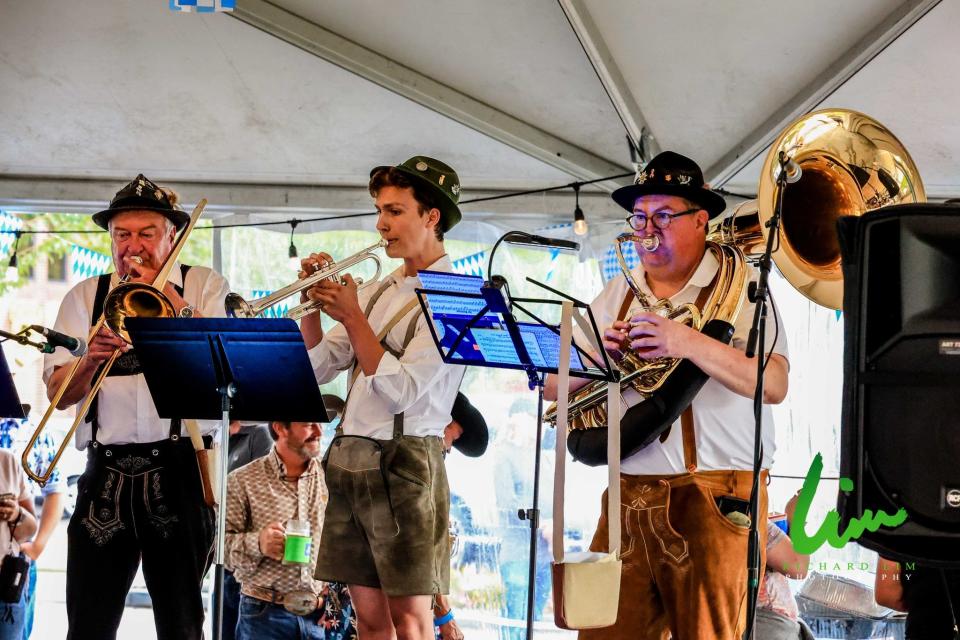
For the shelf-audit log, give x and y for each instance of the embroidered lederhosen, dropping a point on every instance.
(684, 561)
(110, 467)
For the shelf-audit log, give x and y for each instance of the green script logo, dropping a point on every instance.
(829, 531)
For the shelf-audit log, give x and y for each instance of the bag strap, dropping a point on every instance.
(613, 444)
(686, 418)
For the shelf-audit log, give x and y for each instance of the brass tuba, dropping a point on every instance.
(850, 164)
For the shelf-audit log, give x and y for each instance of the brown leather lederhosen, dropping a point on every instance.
(684, 562)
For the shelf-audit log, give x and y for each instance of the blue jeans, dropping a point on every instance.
(31, 602)
(514, 576)
(231, 605)
(261, 620)
(12, 618)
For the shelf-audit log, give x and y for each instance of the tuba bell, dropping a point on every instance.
(850, 165)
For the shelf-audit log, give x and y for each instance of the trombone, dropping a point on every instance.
(128, 299)
(237, 307)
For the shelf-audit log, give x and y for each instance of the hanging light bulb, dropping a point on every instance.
(13, 274)
(579, 222)
(292, 252)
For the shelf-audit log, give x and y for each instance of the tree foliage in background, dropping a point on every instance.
(56, 246)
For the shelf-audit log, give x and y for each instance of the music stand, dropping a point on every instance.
(10, 405)
(479, 329)
(223, 368)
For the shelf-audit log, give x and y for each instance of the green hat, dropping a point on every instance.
(440, 179)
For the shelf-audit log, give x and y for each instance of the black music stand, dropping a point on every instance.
(480, 329)
(223, 368)
(10, 406)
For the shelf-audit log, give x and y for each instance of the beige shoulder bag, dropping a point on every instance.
(586, 585)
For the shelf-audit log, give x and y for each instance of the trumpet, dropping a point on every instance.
(237, 307)
(126, 300)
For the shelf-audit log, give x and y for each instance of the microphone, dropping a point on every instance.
(791, 169)
(76, 346)
(531, 240)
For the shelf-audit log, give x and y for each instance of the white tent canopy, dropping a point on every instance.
(283, 107)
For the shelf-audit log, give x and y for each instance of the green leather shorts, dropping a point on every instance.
(386, 522)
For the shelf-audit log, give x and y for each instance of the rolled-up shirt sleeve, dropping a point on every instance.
(212, 296)
(402, 381)
(73, 319)
(332, 355)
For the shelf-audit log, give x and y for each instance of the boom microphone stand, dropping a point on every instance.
(789, 173)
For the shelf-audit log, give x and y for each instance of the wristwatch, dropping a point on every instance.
(187, 312)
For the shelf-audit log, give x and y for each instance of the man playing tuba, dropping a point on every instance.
(684, 514)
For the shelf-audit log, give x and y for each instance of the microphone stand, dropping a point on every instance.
(758, 294)
(535, 381)
(43, 347)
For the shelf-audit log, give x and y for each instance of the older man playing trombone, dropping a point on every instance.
(140, 496)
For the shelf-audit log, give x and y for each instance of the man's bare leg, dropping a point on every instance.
(391, 618)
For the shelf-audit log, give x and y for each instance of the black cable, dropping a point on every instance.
(294, 221)
(732, 194)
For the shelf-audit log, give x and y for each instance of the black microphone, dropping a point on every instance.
(76, 346)
(529, 239)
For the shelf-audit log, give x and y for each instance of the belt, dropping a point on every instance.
(301, 602)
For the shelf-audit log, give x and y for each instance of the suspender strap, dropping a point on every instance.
(382, 339)
(686, 418)
(625, 305)
(103, 288)
(411, 330)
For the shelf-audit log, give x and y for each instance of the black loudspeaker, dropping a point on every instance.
(900, 441)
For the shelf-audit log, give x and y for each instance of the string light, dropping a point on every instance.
(13, 274)
(579, 222)
(292, 252)
(499, 196)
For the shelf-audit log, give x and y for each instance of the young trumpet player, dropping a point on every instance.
(385, 528)
(140, 497)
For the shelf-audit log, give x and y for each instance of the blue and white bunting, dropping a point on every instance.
(202, 6)
(610, 268)
(86, 263)
(472, 265)
(8, 223)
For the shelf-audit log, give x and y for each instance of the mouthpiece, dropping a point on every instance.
(649, 243)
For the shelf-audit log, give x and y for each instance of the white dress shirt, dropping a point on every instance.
(124, 405)
(418, 384)
(723, 420)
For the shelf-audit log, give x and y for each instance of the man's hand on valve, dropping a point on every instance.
(338, 298)
(615, 340)
(310, 265)
(652, 336)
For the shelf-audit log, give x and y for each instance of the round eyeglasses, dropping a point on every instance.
(661, 219)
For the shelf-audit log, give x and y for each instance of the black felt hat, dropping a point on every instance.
(440, 179)
(671, 174)
(475, 437)
(142, 195)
